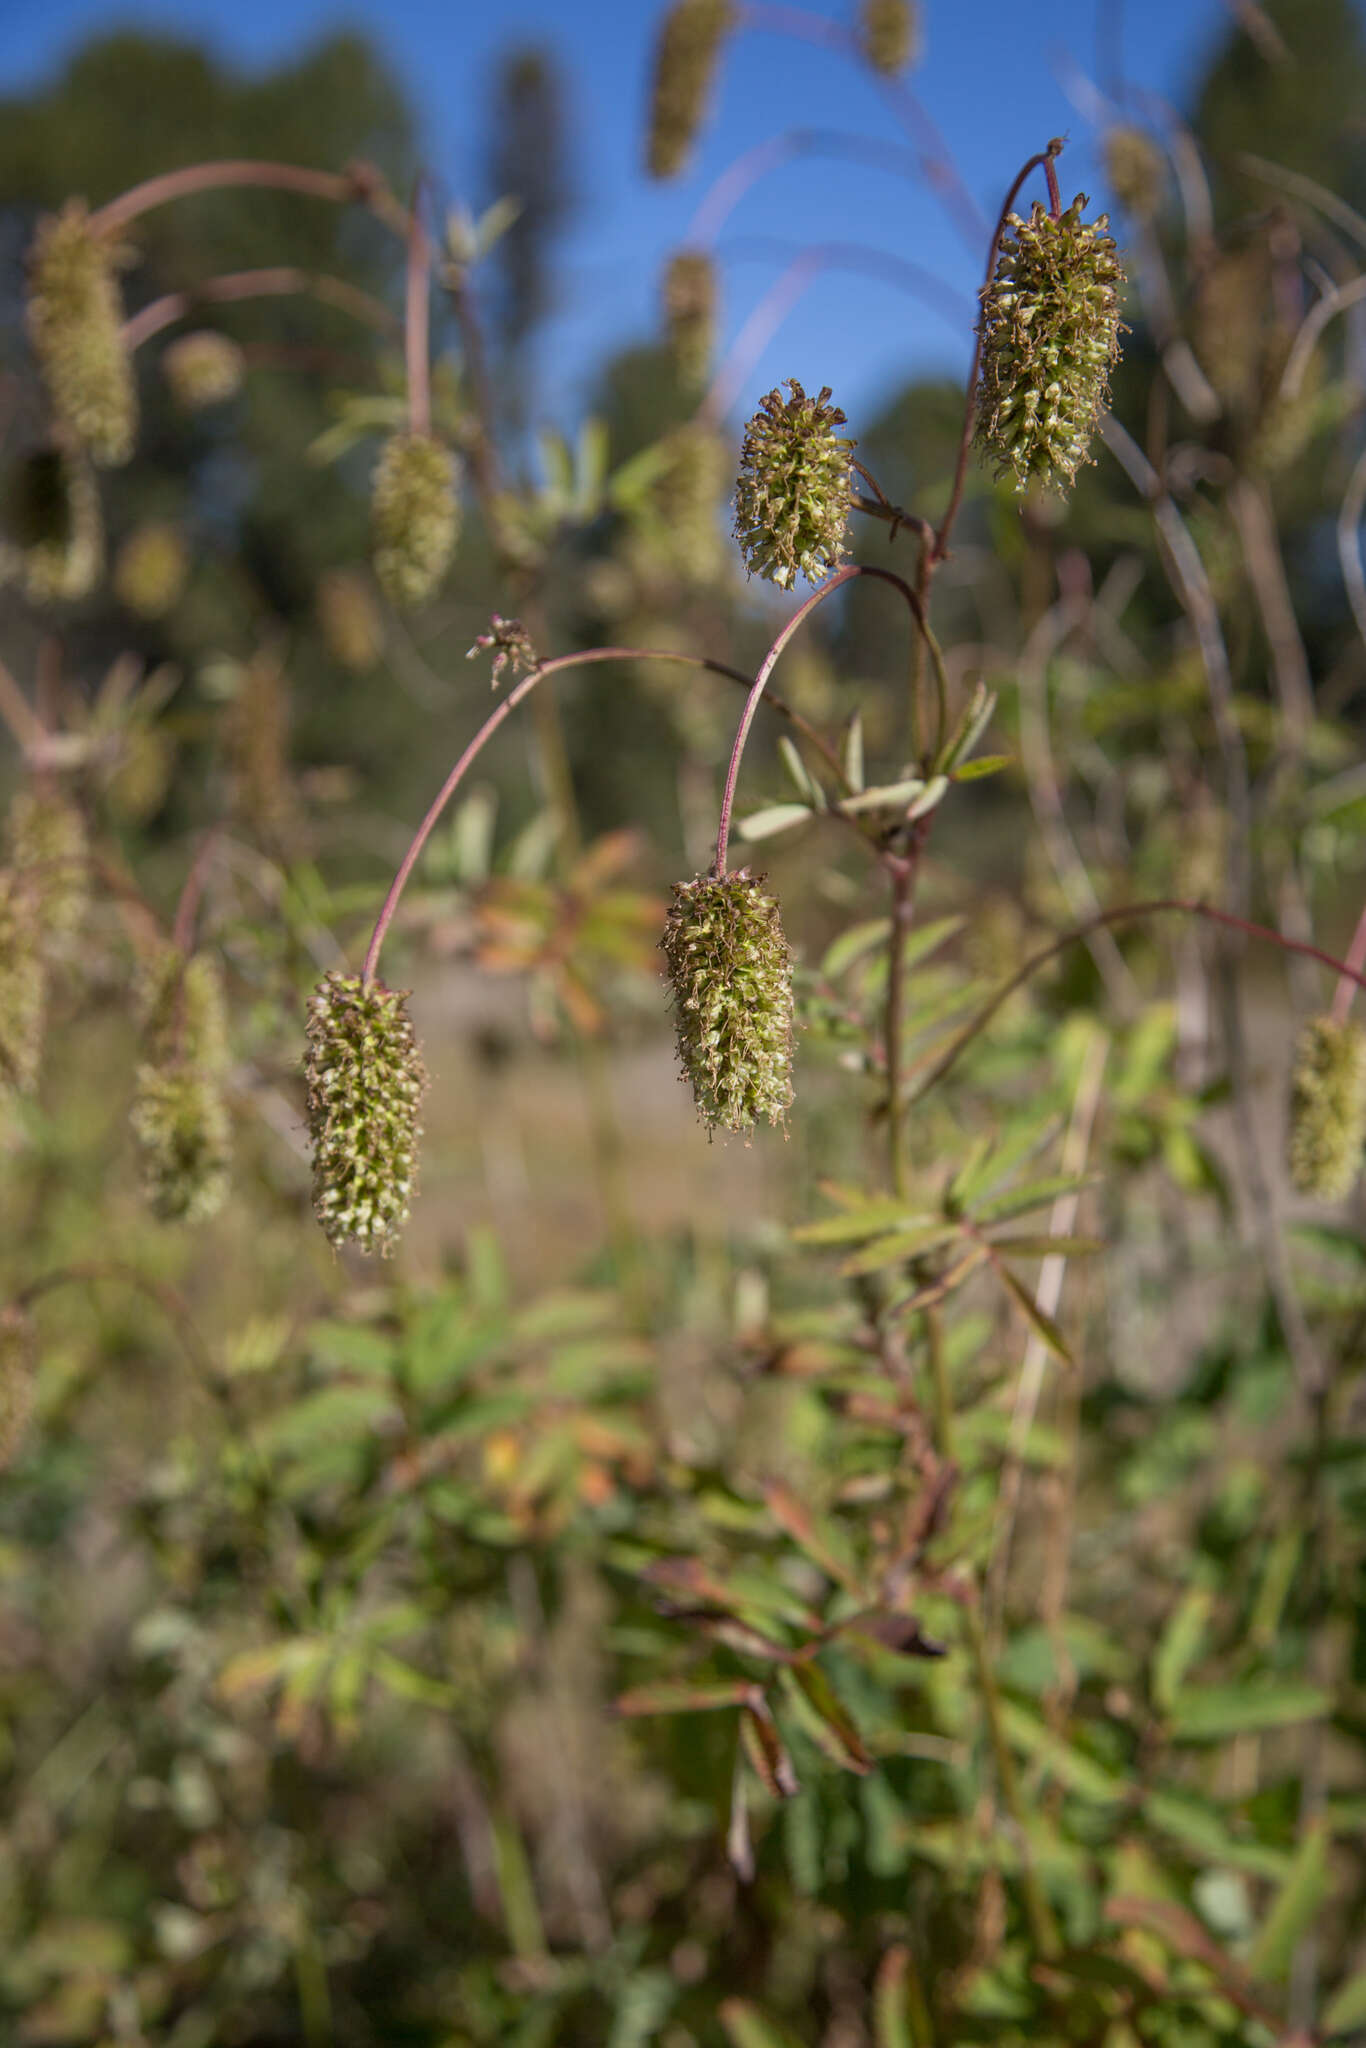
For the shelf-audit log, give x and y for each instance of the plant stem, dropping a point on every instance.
(282, 281)
(501, 714)
(1355, 961)
(182, 932)
(416, 321)
(361, 184)
(941, 546)
(902, 875)
(1042, 1925)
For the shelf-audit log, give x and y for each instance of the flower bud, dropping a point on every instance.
(689, 295)
(18, 1373)
(74, 322)
(415, 516)
(365, 1087)
(1327, 1108)
(203, 369)
(152, 567)
(51, 855)
(792, 494)
(1050, 332)
(731, 977)
(179, 1116)
(686, 57)
(56, 547)
(889, 34)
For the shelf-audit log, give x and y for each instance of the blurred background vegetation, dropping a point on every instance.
(1036, 1716)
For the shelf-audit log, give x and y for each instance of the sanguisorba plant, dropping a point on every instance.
(799, 1624)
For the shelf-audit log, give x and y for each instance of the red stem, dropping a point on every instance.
(182, 932)
(941, 545)
(416, 321)
(1350, 976)
(280, 282)
(342, 188)
(799, 617)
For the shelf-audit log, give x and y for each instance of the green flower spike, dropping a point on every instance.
(50, 850)
(74, 322)
(23, 988)
(682, 514)
(792, 494)
(689, 295)
(1050, 332)
(1327, 1108)
(365, 1087)
(152, 569)
(18, 1373)
(55, 549)
(731, 976)
(179, 1117)
(686, 58)
(889, 33)
(203, 369)
(415, 517)
(1136, 169)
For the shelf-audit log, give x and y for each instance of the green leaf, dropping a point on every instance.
(887, 796)
(898, 1246)
(851, 750)
(807, 789)
(1180, 1645)
(852, 944)
(1063, 1760)
(747, 2027)
(1346, 2009)
(1213, 1713)
(985, 764)
(825, 1717)
(900, 2015)
(1025, 1246)
(1203, 1831)
(1038, 1319)
(924, 939)
(823, 1541)
(870, 1220)
(1018, 1201)
(678, 1697)
(768, 823)
(977, 714)
(1294, 1908)
(936, 789)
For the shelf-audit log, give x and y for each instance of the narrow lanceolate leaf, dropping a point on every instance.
(1038, 1319)
(1294, 1909)
(900, 2015)
(1180, 1645)
(1019, 1201)
(680, 1698)
(870, 1220)
(851, 945)
(977, 714)
(935, 790)
(851, 751)
(898, 1246)
(767, 1752)
(1212, 1713)
(1346, 2009)
(985, 764)
(1023, 1245)
(887, 796)
(825, 1718)
(807, 788)
(772, 820)
(823, 1543)
(747, 2027)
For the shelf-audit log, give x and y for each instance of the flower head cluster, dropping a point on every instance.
(1327, 1108)
(365, 1087)
(689, 295)
(203, 369)
(792, 494)
(731, 976)
(51, 852)
(152, 567)
(889, 33)
(179, 1116)
(55, 544)
(23, 988)
(1050, 332)
(686, 57)
(508, 641)
(415, 516)
(18, 1373)
(74, 321)
(1136, 169)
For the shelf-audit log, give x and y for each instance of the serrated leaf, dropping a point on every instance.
(985, 764)
(775, 818)
(1180, 1645)
(1294, 1908)
(1215, 1712)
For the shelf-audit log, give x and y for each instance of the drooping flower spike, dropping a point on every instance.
(1328, 1108)
(731, 977)
(366, 1081)
(792, 493)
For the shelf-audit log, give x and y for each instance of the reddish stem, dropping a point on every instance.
(280, 282)
(509, 704)
(362, 184)
(941, 546)
(416, 322)
(799, 618)
(1349, 979)
(182, 932)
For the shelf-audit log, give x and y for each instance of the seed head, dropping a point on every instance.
(509, 642)
(203, 369)
(18, 1373)
(23, 988)
(350, 618)
(365, 1087)
(56, 545)
(152, 567)
(51, 856)
(415, 516)
(889, 33)
(1327, 1108)
(792, 494)
(686, 58)
(689, 295)
(179, 1116)
(74, 318)
(731, 977)
(1050, 332)
(1136, 170)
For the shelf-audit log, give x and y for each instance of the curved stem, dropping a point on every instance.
(1126, 913)
(941, 546)
(798, 619)
(416, 321)
(280, 282)
(362, 183)
(509, 704)
(724, 194)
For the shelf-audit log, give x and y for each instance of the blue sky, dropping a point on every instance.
(995, 76)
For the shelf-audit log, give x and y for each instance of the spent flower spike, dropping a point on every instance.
(74, 322)
(366, 1081)
(510, 645)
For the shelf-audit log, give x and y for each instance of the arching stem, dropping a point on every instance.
(279, 282)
